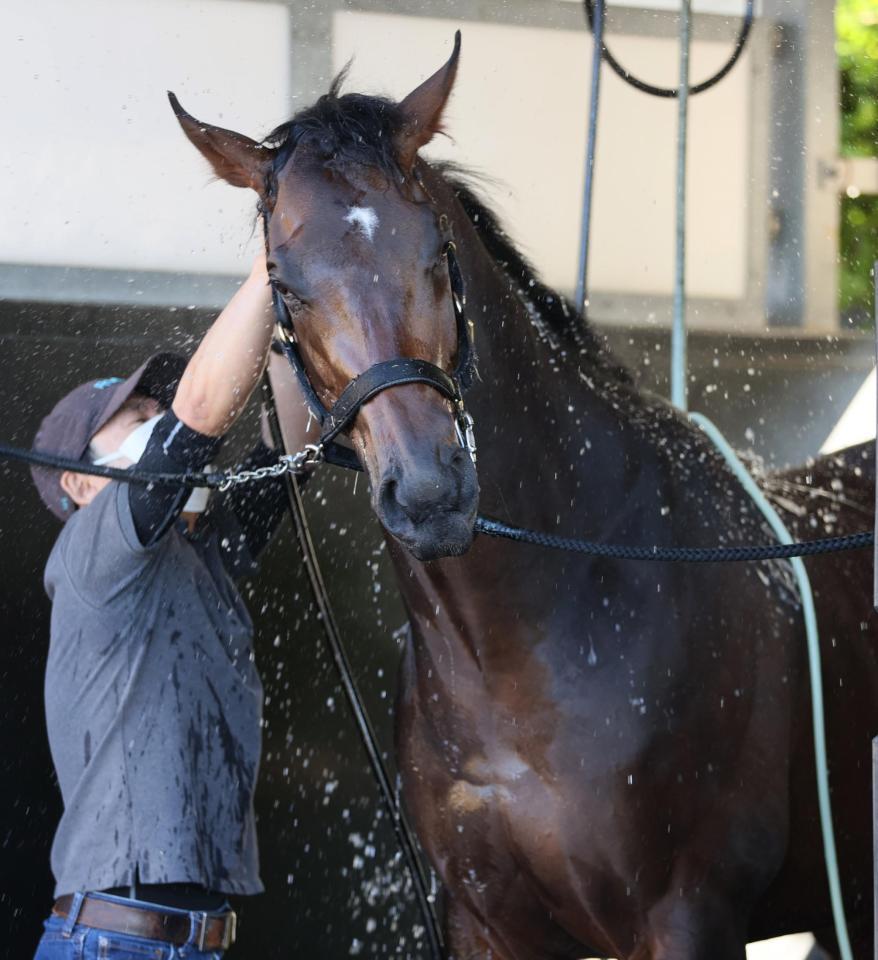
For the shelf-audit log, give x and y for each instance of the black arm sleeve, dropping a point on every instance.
(172, 448)
(258, 507)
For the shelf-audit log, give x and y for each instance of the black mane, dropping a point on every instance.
(353, 128)
(555, 318)
(361, 129)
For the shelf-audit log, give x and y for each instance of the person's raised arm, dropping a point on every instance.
(230, 359)
(214, 389)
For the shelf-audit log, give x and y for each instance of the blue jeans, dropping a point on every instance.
(61, 941)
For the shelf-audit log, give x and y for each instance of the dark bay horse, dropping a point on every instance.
(601, 758)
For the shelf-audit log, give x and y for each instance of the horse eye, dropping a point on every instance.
(294, 303)
(285, 292)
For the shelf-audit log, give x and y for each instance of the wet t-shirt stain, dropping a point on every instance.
(153, 706)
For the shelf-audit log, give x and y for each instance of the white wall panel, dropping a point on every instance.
(94, 170)
(519, 114)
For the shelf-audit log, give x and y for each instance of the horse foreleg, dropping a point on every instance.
(465, 936)
(693, 929)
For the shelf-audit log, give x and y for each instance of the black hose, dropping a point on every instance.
(655, 91)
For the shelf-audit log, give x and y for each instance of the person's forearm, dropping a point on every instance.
(229, 361)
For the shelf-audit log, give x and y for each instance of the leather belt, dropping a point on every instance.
(211, 931)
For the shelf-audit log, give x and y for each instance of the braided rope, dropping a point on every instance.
(768, 551)
(484, 525)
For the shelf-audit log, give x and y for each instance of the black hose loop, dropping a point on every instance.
(671, 92)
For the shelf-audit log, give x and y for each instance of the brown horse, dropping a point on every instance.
(601, 757)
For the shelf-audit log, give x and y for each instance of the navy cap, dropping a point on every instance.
(68, 429)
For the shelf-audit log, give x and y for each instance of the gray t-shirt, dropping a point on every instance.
(153, 706)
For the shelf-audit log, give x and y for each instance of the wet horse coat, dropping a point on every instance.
(600, 757)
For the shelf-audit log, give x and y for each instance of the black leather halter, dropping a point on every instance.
(385, 374)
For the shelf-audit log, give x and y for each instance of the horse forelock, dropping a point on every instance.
(350, 129)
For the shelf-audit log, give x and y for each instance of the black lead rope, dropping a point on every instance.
(53, 461)
(769, 551)
(484, 525)
(401, 827)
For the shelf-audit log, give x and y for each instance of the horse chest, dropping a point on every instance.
(484, 815)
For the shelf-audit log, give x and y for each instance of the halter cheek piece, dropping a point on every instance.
(384, 375)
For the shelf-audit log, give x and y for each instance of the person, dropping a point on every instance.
(153, 699)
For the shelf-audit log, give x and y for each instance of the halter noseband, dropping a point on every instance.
(384, 375)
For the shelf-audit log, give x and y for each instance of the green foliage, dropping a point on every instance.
(859, 251)
(856, 24)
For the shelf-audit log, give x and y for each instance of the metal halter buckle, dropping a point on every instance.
(282, 333)
(466, 434)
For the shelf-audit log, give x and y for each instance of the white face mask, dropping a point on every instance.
(132, 448)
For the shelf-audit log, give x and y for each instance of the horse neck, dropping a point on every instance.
(550, 414)
(556, 452)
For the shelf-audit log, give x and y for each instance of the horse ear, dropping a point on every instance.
(422, 110)
(237, 159)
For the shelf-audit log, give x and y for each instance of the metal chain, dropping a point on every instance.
(287, 463)
(293, 463)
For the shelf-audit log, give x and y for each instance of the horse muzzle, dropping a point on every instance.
(431, 512)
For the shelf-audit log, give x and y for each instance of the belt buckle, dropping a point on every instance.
(202, 931)
(230, 929)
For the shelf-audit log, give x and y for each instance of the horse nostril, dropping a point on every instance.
(388, 498)
(409, 501)
(418, 496)
(453, 456)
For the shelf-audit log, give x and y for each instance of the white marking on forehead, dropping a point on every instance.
(365, 218)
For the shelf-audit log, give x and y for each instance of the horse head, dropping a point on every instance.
(356, 249)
